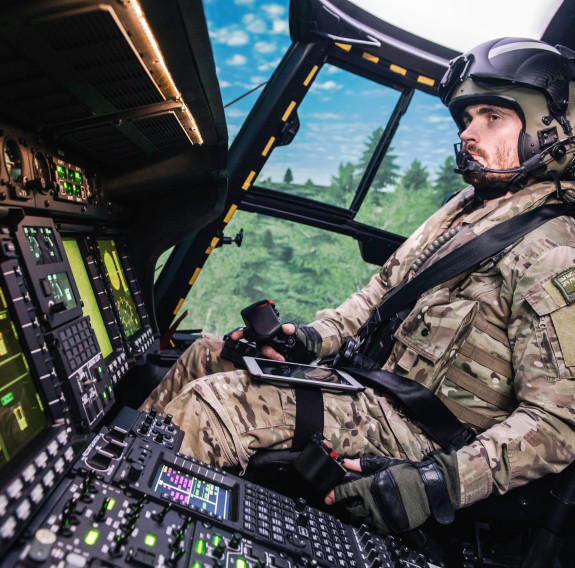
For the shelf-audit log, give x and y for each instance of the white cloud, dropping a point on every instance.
(326, 85)
(237, 59)
(224, 84)
(327, 116)
(274, 10)
(235, 113)
(228, 37)
(240, 2)
(280, 27)
(435, 119)
(257, 26)
(255, 81)
(265, 47)
(269, 65)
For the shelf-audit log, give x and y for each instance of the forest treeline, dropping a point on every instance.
(304, 269)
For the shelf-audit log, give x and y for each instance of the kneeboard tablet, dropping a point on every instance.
(284, 373)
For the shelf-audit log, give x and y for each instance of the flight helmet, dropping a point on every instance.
(534, 79)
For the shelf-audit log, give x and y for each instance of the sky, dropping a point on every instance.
(249, 38)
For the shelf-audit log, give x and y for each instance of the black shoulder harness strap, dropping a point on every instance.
(459, 260)
(423, 406)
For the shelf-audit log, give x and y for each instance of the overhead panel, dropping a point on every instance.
(98, 80)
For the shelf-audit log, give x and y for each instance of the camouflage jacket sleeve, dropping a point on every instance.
(538, 437)
(335, 325)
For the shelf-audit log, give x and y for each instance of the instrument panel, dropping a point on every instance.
(35, 173)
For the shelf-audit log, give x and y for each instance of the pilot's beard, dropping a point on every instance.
(505, 158)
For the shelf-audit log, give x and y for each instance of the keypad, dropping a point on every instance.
(273, 516)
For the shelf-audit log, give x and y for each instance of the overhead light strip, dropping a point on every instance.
(141, 18)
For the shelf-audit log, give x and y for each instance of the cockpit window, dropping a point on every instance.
(341, 121)
(417, 173)
(301, 268)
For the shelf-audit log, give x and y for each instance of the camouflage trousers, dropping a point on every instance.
(226, 417)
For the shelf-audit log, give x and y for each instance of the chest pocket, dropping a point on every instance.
(554, 333)
(431, 334)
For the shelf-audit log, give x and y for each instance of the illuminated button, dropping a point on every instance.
(23, 510)
(59, 465)
(241, 563)
(52, 448)
(8, 528)
(36, 494)
(200, 546)
(197, 565)
(41, 460)
(48, 479)
(15, 489)
(3, 505)
(110, 503)
(29, 473)
(150, 539)
(91, 537)
(74, 560)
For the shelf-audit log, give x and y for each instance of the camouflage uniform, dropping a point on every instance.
(495, 345)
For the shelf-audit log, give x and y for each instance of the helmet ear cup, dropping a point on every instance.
(527, 146)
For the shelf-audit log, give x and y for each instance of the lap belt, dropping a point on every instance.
(424, 408)
(308, 416)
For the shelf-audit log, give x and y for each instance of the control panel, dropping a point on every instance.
(131, 499)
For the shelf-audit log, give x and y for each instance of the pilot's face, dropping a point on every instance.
(490, 136)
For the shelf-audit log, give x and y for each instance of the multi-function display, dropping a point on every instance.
(119, 285)
(22, 415)
(190, 490)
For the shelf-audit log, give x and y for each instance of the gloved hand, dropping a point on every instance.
(303, 348)
(399, 495)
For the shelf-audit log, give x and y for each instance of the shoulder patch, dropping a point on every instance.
(565, 282)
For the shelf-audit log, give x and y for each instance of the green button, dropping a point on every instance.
(91, 537)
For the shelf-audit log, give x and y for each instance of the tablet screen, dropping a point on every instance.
(298, 373)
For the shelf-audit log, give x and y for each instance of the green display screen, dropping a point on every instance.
(22, 415)
(62, 289)
(43, 246)
(120, 289)
(90, 305)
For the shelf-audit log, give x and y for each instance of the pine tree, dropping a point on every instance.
(447, 181)
(416, 177)
(288, 177)
(388, 171)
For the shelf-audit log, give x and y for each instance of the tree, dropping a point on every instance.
(388, 171)
(343, 184)
(288, 177)
(447, 181)
(416, 177)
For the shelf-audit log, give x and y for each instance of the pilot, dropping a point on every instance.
(495, 344)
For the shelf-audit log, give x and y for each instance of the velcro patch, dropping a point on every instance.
(565, 282)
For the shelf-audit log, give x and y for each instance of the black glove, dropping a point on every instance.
(399, 495)
(301, 346)
(307, 345)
